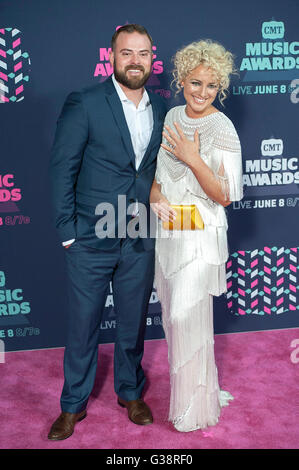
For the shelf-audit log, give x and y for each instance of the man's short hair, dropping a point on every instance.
(130, 28)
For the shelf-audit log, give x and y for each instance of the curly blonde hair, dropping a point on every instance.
(210, 54)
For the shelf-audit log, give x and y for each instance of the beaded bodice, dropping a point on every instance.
(215, 131)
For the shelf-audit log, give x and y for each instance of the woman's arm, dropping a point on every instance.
(160, 205)
(187, 151)
(213, 185)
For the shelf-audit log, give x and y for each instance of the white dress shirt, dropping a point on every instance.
(140, 123)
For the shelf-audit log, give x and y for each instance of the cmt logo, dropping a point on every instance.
(271, 147)
(273, 30)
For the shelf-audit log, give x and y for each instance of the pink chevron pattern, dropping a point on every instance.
(292, 279)
(263, 281)
(14, 66)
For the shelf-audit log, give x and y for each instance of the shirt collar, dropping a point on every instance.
(145, 101)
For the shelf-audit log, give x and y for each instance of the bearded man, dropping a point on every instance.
(106, 143)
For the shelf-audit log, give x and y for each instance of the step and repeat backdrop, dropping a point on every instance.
(49, 48)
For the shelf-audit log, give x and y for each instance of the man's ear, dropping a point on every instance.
(111, 57)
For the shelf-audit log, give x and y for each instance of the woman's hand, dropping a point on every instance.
(160, 205)
(184, 149)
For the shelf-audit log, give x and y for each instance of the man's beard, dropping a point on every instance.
(133, 83)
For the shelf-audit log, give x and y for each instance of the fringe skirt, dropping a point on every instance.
(187, 315)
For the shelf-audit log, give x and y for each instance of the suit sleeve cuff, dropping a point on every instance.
(67, 232)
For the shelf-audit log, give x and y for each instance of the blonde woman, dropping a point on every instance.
(199, 163)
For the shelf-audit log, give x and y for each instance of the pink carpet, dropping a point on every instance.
(258, 368)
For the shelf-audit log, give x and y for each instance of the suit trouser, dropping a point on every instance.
(89, 272)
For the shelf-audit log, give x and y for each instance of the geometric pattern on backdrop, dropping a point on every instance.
(263, 281)
(14, 66)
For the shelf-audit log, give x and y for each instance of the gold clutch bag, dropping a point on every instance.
(187, 218)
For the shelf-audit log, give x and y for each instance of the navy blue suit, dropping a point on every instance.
(93, 162)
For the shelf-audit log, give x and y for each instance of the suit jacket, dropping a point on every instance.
(93, 162)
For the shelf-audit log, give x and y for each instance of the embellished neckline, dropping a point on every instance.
(190, 120)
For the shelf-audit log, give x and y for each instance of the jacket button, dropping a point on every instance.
(137, 175)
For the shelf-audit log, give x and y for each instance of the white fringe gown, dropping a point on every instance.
(190, 269)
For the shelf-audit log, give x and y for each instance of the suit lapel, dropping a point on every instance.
(156, 128)
(119, 116)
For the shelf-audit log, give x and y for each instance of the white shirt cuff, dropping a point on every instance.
(68, 242)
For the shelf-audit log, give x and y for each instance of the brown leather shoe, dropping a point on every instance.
(64, 425)
(138, 411)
